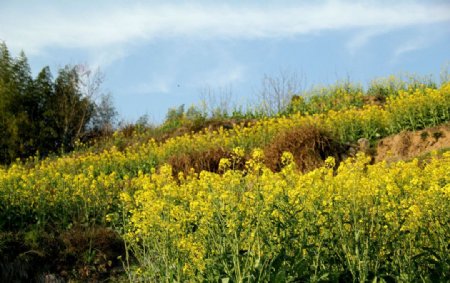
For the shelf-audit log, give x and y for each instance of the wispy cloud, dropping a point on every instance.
(411, 45)
(423, 38)
(224, 75)
(363, 37)
(155, 86)
(103, 58)
(101, 25)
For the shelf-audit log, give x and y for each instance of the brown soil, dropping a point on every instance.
(407, 145)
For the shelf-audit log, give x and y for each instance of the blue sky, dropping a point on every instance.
(161, 54)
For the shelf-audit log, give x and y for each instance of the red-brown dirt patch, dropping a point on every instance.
(407, 145)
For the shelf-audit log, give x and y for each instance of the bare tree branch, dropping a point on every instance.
(276, 91)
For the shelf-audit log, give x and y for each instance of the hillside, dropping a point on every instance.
(281, 199)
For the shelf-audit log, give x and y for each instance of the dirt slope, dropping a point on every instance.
(407, 145)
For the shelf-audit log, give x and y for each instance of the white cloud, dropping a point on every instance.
(409, 46)
(364, 37)
(106, 24)
(103, 58)
(420, 40)
(156, 85)
(224, 75)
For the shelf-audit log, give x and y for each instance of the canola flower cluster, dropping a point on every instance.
(362, 221)
(244, 224)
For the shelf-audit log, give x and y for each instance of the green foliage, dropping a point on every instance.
(382, 88)
(42, 115)
(72, 111)
(340, 96)
(105, 116)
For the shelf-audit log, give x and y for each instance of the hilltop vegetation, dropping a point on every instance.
(241, 197)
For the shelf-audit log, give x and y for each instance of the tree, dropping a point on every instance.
(24, 104)
(216, 102)
(11, 112)
(8, 127)
(43, 112)
(21, 75)
(5, 64)
(105, 115)
(45, 115)
(276, 92)
(73, 111)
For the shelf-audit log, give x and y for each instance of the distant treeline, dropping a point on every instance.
(42, 115)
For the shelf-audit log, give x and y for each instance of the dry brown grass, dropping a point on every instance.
(309, 145)
(199, 160)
